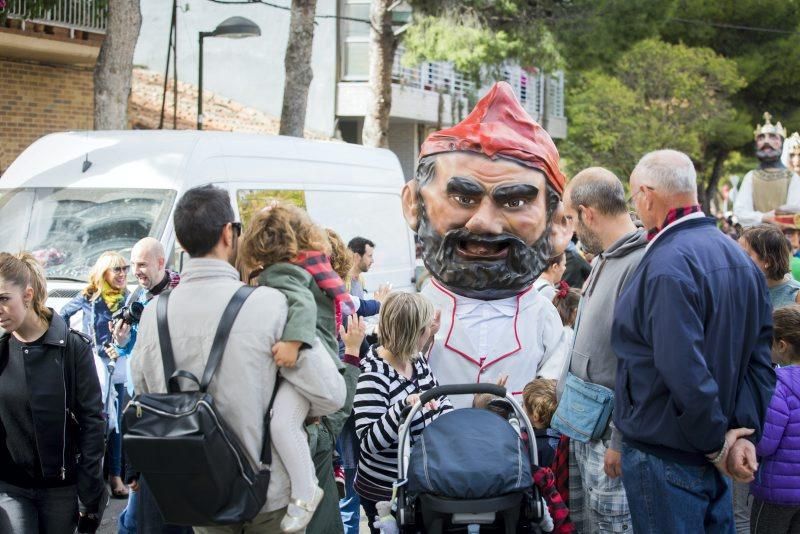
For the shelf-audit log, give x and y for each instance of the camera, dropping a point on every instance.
(129, 314)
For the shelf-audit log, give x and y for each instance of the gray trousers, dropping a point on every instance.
(741, 507)
(42, 511)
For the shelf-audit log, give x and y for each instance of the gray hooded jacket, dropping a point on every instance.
(593, 360)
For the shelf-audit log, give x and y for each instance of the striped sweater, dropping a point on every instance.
(379, 402)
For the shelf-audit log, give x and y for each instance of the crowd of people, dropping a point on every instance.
(661, 382)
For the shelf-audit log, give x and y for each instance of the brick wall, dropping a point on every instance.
(37, 99)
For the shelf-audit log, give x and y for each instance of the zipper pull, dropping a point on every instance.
(138, 411)
(63, 473)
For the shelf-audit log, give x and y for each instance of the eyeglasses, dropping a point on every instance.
(123, 269)
(236, 227)
(632, 198)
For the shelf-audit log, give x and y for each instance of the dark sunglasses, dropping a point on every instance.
(123, 269)
(237, 226)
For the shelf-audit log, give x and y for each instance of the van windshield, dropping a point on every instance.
(68, 228)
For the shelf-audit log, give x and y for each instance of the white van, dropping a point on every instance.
(71, 196)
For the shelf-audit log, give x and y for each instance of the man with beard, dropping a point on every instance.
(772, 185)
(485, 206)
(595, 200)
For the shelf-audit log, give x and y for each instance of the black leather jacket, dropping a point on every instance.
(67, 410)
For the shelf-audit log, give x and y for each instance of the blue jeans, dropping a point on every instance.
(666, 496)
(115, 439)
(42, 511)
(350, 506)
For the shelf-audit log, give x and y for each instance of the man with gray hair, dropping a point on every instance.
(595, 202)
(692, 332)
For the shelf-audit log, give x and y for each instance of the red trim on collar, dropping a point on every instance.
(480, 361)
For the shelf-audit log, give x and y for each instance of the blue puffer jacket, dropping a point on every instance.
(778, 477)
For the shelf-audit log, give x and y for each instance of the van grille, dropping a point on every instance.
(63, 293)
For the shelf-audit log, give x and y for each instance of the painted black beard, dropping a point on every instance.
(487, 280)
(767, 154)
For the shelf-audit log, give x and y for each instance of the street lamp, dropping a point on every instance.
(231, 28)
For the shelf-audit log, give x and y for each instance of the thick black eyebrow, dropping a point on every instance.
(458, 185)
(503, 193)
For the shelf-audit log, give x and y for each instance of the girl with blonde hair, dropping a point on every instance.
(104, 295)
(393, 375)
(48, 413)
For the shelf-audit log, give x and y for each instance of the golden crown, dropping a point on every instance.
(769, 128)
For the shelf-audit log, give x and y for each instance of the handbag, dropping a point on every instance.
(192, 461)
(584, 410)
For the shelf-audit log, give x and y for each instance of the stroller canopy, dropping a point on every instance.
(469, 454)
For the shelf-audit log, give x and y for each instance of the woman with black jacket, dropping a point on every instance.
(51, 427)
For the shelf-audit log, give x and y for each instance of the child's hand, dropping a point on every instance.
(353, 335)
(413, 399)
(285, 353)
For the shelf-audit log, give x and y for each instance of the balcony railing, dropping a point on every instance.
(84, 15)
(431, 76)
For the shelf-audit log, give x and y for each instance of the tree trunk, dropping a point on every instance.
(707, 195)
(114, 69)
(382, 44)
(297, 64)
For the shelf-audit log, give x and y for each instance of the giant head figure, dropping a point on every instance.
(791, 153)
(485, 201)
(769, 141)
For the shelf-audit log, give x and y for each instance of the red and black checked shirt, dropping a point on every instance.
(546, 482)
(318, 266)
(673, 215)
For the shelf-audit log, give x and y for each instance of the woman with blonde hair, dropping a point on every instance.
(48, 413)
(393, 375)
(104, 295)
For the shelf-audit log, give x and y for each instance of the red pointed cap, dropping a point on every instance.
(500, 127)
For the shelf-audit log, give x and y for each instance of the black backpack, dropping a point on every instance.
(192, 461)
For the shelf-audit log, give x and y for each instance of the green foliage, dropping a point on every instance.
(593, 33)
(658, 95)
(480, 35)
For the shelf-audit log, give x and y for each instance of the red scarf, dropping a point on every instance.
(673, 215)
(318, 266)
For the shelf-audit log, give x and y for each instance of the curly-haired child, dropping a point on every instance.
(539, 401)
(288, 252)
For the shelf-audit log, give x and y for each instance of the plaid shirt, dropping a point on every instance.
(673, 215)
(546, 482)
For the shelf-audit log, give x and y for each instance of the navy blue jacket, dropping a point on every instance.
(692, 332)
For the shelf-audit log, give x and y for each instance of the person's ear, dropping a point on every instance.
(27, 297)
(162, 261)
(587, 214)
(410, 200)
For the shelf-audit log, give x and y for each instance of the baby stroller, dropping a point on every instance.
(469, 471)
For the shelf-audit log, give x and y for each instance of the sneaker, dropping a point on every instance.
(299, 513)
(338, 476)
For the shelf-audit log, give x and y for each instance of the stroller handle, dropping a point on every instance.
(461, 389)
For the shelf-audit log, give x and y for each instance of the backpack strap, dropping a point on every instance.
(266, 442)
(223, 331)
(165, 342)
